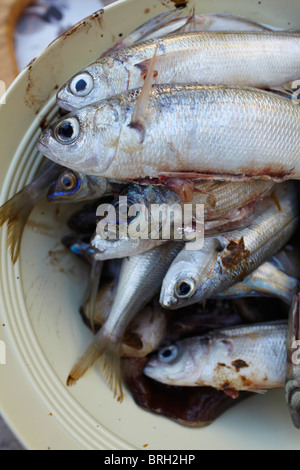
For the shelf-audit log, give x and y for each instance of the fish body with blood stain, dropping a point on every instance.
(183, 131)
(223, 203)
(261, 59)
(228, 258)
(232, 359)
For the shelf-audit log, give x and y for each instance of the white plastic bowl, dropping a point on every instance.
(40, 294)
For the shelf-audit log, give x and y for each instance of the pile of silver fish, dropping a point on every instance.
(188, 111)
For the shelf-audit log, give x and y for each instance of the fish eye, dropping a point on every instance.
(184, 289)
(67, 130)
(82, 84)
(68, 181)
(168, 353)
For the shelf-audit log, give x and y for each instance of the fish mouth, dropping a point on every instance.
(41, 146)
(64, 104)
(168, 300)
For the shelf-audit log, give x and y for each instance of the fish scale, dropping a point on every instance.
(237, 133)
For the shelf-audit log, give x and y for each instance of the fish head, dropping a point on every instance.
(66, 187)
(85, 87)
(170, 365)
(179, 284)
(85, 140)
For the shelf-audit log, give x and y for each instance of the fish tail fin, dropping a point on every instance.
(16, 212)
(112, 370)
(110, 354)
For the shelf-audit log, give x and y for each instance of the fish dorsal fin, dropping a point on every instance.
(139, 114)
(191, 20)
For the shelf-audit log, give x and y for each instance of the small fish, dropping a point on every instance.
(17, 210)
(261, 59)
(227, 259)
(292, 382)
(265, 280)
(222, 202)
(194, 407)
(72, 186)
(140, 279)
(116, 147)
(251, 358)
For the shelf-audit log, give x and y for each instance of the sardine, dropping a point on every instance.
(140, 279)
(17, 210)
(292, 382)
(194, 407)
(228, 258)
(221, 201)
(187, 131)
(266, 280)
(261, 59)
(233, 359)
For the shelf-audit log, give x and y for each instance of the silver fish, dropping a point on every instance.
(224, 202)
(140, 279)
(257, 135)
(232, 359)
(292, 382)
(228, 258)
(266, 280)
(261, 59)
